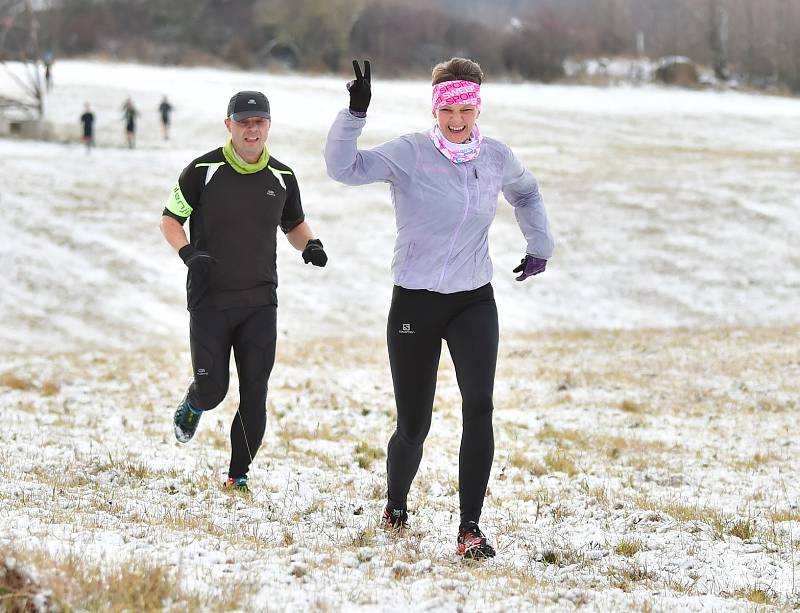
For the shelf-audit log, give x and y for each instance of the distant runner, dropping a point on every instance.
(165, 110)
(87, 119)
(129, 116)
(235, 198)
(444, 185)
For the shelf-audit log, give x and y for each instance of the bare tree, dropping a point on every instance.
(19, 43)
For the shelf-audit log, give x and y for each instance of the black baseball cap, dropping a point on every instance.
(248, 104)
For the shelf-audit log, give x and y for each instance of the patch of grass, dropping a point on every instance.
(365, 454)
(377, 491)
(600, 494)
(50, 388)
(744, 529)
(577, 439)
(138, 470)
(135, 585)
(561, 512)
(756, 461)
(628, 547)
(785, 515)
(365, 538)
(758, 595)
(559, 460)
(519, 460)
(290, 431)
(12, 381)
(678, 510)
(564, 554)
(629, 406)
(624, 578)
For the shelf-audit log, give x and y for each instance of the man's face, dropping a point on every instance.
(456, 121)
(249, 136)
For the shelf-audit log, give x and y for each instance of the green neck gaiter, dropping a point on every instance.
(239, 165)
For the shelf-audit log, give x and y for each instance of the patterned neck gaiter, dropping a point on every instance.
(457, 153)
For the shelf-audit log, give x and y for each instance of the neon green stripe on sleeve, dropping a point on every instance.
(177, 203)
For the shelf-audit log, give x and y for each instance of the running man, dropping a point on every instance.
(165, 110)
(87, 119)
(235, 198)
(129, 116)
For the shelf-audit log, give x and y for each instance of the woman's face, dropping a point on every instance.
(456, 121)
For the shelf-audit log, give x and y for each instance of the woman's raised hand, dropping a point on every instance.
(360, 88)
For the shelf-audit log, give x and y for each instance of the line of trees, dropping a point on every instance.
(527, 38)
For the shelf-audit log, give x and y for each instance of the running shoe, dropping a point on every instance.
(394, 519)
(186, 420)
(237, 485)
(472, 543)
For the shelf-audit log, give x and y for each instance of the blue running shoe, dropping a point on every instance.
(186, 420)
(237, 485)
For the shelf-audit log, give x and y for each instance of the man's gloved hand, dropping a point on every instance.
(360, 89)
(529, 266)
(196, 260)
(314, 253)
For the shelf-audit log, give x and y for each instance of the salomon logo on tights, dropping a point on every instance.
(201, 372)
(406, 329)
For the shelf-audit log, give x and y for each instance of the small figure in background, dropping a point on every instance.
(87, 119)
(47, 59)
(129, 116)
(165, 109)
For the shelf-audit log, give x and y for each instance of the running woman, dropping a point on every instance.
(444, 184)
(235, 198)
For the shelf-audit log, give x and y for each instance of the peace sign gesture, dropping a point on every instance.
(360, 88)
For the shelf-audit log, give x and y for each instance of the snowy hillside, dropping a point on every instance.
(647, 390)
(670, 208)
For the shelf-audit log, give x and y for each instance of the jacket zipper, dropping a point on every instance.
(458, 228)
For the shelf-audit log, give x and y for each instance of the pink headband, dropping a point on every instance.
(456, 92)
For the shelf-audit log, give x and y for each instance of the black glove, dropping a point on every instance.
(195, 259)
(360, 88)
(314, 253)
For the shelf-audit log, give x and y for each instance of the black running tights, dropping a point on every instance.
(251, 333)
(418, 321)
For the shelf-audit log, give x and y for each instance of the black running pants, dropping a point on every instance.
(418, 321)
(251, 333)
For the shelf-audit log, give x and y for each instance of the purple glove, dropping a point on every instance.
(529, 266)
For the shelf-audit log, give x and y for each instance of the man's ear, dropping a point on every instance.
(228, 123)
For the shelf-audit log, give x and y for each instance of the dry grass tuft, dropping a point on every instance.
(519, 460)
(755, 462)
(761, 595)
(628, 547)
(575, 438)
(785, 515)
(558, 460)
(624, 578)
(15, 382)
(132, 586)
(365, 454)
(629, 406)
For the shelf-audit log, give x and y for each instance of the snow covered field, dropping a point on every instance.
(647, 391)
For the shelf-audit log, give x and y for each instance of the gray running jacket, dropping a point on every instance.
(442, 210)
